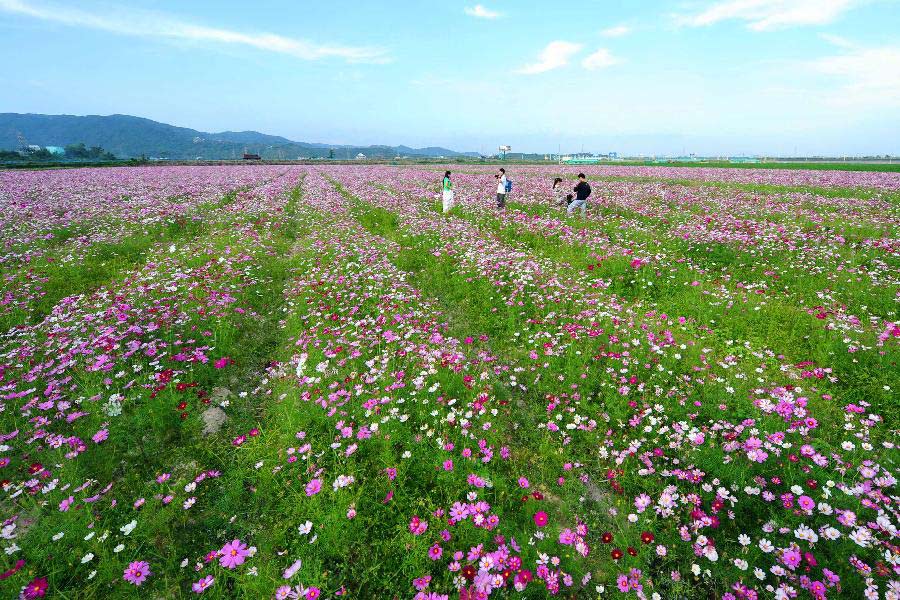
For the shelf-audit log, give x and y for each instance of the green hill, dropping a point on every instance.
(127, 136)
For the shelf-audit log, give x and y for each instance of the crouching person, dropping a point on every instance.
(582, 191)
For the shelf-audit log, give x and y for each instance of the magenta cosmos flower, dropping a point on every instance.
(417, 526)
(540, 518)
(137, 572)
(37, 588)
(435, 552)
(313, 487)
(200, 586)
(233, 554)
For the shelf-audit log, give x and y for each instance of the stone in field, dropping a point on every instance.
(213, 419)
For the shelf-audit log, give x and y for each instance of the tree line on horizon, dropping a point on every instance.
(72, 152)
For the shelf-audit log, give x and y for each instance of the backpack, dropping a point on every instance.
(508, 185)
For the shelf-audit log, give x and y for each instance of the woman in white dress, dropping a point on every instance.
(447, 192)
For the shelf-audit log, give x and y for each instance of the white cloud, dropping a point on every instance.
(617, 31)
(600, 59)
(156, 25)
(766, 15)
(481, 12)
(836, 40)
(867, 77)
(553, 56)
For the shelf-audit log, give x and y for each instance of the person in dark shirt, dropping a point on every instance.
(582, 191)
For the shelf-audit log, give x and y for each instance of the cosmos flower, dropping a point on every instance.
(233, 554)
(201, 585)
(137, 572)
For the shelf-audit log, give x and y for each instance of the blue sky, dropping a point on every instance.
(704, 76)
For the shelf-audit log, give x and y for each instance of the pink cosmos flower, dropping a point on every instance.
(313, 593)
(100, 436)
(523, 483)
(806, 503)
(435, 552)
(233, 554)
(292, 570)
(36, 588)
(791, 558)
(313, 487)
(540, 518)
(283, 592)
(417, 526)
(200, 586)
(65, 504)
(137, 572)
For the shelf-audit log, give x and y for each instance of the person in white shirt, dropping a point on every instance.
(501, 188)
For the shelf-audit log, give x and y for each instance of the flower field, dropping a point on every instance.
(277, 381)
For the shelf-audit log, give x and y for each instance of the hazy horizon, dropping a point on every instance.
(714, 77)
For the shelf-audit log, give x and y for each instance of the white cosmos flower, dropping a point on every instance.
(128, 527)
(803, 532)
(861, 536)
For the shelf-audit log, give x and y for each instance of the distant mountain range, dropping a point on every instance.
(127, 136)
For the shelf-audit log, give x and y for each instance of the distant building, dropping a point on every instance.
(360, 156)
(57, 150)
(251, 156)
(742, 159)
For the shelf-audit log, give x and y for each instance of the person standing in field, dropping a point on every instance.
(582, 191)
(502, 188)
(447, 192)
